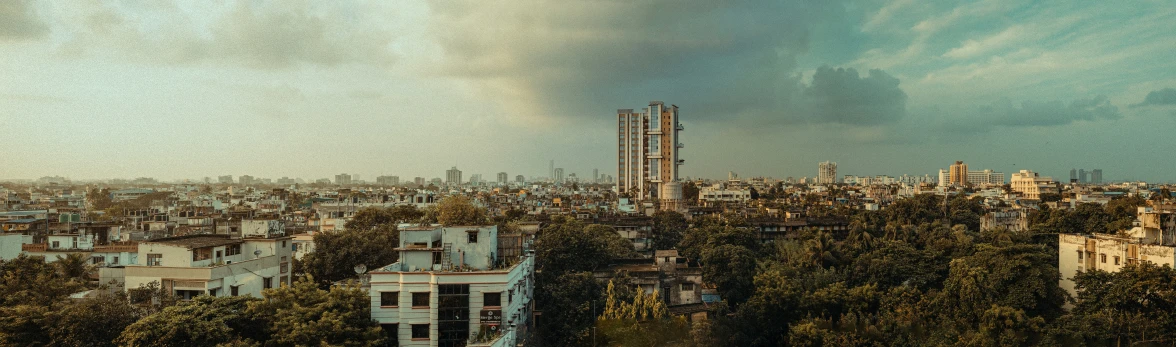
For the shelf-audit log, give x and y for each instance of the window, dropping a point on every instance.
(1102, 257)
(1080, 255)
(233, 250)
(420, 331)
(154, 259)
(472, 237)
(283, 243)
(267, 282)
(436, 257)
(233, 290)
(392, 332)
(213, 292)
(97, 260)
(114, 260)
(420, 299)
(509, 296)
(389, 299)
(492, 299)
(1116, 260)
(56, 244)
(687, 287)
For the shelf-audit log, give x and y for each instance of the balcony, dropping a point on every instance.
(34, 247)
(679, 127)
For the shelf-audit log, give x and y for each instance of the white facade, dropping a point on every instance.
(709, 196)
(827, 172)
(448, 287)
(986, 178)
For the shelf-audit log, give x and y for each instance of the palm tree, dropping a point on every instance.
(73, 265)
(822, 250)
(861, 239)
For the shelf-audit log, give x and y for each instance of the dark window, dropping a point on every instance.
(1103, 257)
(389, 298)
(509, 296)
(420, 299)
(233, 290)
(1116, 260)
(392, 332)
(453, 314)
(154, 259)
(267, 283)
(420, 331)
(492, 299)
(688, 287)
(473, 237)
(436, 257)
(1080, 254)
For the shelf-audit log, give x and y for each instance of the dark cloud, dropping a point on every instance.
(18, 21)
(716, 60)
(1166, 96)
(1043, 113)
(839, 95)
(259, 35)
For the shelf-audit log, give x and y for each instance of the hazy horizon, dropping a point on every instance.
(177, 90)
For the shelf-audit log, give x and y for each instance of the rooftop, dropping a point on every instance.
(198, 241)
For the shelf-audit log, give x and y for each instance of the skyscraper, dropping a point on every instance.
(1082, 176)
(502, 178)
(558, 176)
(826, 172)
(647, 150)
(1096, 176)
(958, 173)
(1073, 175)
(453, 176)
(342, 179)
(595, 176)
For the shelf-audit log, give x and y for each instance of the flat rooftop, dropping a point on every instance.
(197, 241)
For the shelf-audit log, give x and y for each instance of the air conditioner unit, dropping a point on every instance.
(228, 262)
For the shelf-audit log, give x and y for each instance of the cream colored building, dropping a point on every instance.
(216, 265)
(1030, 185)
(1153, 239)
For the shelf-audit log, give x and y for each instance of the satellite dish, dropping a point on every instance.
(257, 253)
(360, 269)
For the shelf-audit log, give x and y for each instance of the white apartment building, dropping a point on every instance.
(451, 285)
(1153, 239)
(1029, 184)
(826, 172)
(216, 265)
(985, 177)
(647, 151)
(717, 194)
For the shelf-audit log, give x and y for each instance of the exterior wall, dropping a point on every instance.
(1093, 250)
(246, 271)
(479, 255)
(517, 280)
(10, 245)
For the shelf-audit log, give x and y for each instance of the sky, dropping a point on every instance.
(181, 89)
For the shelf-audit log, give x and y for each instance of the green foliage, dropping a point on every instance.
(668, 229)
(204, 321)
(731, 269)
(305, 314)
(337, 253)
(569, 302)
(24, 325)
(568, 245)
(26, 280)
(459, 210)
(95, 321)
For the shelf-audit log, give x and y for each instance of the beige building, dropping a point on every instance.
(1030, 185)
(216, 265)
(958, 174)
(1153, 239)
(826, 172)
(647, 151)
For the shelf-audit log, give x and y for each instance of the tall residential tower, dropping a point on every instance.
(647, 152)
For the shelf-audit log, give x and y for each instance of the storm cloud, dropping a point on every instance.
(1032, 113)
(19, 21)
(842, 96)
(1166, 96)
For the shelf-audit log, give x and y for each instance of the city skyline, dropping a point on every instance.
(177, 90)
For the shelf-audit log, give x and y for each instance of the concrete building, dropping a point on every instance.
(559, 175)
(502, 178)
(388, 180)
(216, 265)
(958, 174)
(1030, 185)
(343, 179)
(1153, 239)
(452, 284)
(985, 177)
(227, 179)
(420, 181)
(1082, 176)
(1096, 176)
(453, 176)
(1013, 220)
(718, 194)
(647, 151)
(827, 172)
(520, 179)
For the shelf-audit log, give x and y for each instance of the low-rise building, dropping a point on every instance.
(216, 265)
(450, 287)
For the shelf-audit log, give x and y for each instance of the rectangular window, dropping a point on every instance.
(1080, 255)
(389, 299)
(492, 299)
(154, 259)
(420, 299)
(392, 332)
(472, 237)
(1116, 260)
(509, 296)
(687, 287)
(267, 282)
(233, 290)
(233, 250)
(56, 244)
(114, 260)
(420, 331)
(1102, 257)
(97, 260)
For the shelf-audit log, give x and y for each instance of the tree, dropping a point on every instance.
(26, 280)
(304, 314)
(643, 322)
(1014, 278)
(24, 325)
(567, 245)
(731, 269)
(74, 266)
(95, 321)
(667, 229)
(337, 253)
(569, 302)
(1130, 307)
(458, 210)
(204, 321)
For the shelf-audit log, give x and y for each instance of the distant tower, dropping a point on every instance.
(826, 172)
(551, 170)
(958, 173)
(1073, 175)
(558, 176)
(648, 151)
(595, 176)
(453, 176)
